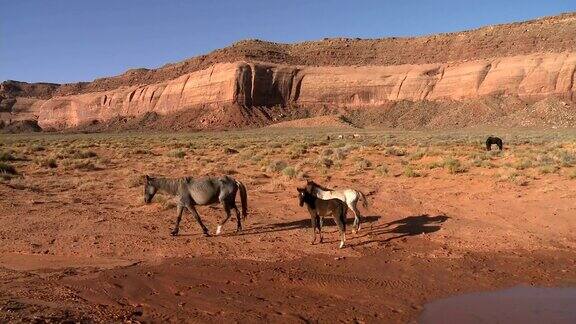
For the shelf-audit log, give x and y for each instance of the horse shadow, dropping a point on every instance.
(408, 226)
(301, 223)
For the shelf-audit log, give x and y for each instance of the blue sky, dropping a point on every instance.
(75, 40)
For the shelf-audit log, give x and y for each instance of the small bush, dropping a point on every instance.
(289, 172)
(363, 164)
(454, 165)
(84, 154)
(395, 151)
(382, 169)
(7, 168)
(546, 169)
(48, 163)
(276, 166)
(177, 153)
(84, 165)
(326, 162)
(7, 156)
(410, 172)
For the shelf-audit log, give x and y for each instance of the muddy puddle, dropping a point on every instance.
(521, 304)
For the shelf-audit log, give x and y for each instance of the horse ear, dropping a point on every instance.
(299, 189)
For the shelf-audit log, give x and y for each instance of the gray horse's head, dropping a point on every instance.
(149, 189)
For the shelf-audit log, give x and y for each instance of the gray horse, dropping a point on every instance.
(204, 191)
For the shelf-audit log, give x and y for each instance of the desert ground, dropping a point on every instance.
(445, 217)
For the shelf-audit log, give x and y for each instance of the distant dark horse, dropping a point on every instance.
(493, 140)
(203, 191)
(319, 208)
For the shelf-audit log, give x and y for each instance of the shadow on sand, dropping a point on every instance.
(301, 223)
(408, 226)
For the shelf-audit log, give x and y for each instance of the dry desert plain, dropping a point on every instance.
(77, 241)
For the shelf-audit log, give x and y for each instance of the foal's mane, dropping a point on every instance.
(310, 182)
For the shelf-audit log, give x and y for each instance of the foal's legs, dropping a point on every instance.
(313, 219)
(341, 222)
(353, 206)
(320, 222)
(197, 218)
(178, 219)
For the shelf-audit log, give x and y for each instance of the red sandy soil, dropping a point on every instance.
(82, 245)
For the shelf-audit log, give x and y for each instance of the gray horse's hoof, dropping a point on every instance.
(206, 234)
(174, 233)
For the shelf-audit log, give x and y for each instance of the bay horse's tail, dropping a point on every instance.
(364, 200)
(243, 199)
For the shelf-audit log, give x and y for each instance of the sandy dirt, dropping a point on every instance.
(79, 243)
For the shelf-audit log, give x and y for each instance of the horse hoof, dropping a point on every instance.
(206, 234)
(341, 245)
(218, 230)
(173, 233)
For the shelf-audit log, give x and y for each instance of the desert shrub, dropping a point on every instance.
(338, 144)
(395, 151)
(546, 169)
(7, 168)
(566, 158)
(7, 156)
(84, 165)
(276, 166)
(325, 162)
(48, 163)
(417, 155)
(177, 153)
(37, 148)
(289, 172)
(327, 151)
(410, 172)
(454, 165)
(363, 164)
(434, 165)
(84, 154)
(382, 169)
(522, 164)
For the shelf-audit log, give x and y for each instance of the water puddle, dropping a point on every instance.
(522, 304)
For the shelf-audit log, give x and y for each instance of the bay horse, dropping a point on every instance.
(319, 209)
(348, 196)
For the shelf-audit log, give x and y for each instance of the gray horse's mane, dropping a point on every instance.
(171, 186)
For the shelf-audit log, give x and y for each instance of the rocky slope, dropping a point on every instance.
(255, 82)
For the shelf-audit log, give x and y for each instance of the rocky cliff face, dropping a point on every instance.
(249, 82)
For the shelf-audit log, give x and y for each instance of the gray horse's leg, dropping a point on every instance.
(228, 214)
(197, 218)
(179, 211)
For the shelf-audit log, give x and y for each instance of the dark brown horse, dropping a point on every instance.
(319, 208)
(494, 140)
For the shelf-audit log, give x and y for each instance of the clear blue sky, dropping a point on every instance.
(77, 40)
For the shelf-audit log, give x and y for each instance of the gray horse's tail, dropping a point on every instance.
(364, 200)
(243, 198)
